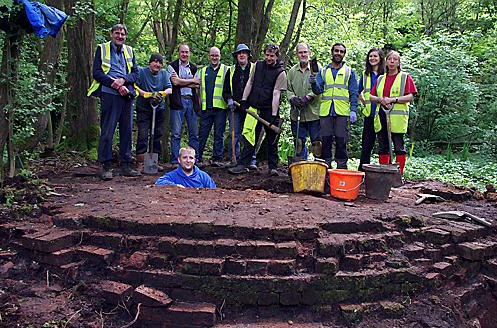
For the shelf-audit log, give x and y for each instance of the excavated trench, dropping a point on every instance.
(242, 255)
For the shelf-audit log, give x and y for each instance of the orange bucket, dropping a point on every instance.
(345, 184)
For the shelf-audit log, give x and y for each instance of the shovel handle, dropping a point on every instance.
(276, 129)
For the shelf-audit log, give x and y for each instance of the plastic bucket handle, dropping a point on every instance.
(354, 188)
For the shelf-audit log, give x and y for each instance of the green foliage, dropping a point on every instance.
(474, 172)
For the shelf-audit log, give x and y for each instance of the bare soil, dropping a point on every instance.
(30, 296)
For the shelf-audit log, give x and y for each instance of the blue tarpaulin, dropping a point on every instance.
(43, 20)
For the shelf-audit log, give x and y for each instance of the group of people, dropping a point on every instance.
(323, 102)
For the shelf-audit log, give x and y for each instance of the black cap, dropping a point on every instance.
(156, 57)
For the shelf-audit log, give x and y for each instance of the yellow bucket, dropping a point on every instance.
(308, 176)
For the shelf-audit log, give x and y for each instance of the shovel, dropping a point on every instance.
(397, 179)
(151, 160)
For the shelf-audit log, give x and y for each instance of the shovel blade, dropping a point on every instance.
(151, 163)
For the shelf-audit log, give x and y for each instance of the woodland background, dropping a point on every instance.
(448, 46)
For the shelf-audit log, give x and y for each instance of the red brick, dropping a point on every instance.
(107, 239)
(236, 267)
(114, 291)
(205, 248)
(265, 249)
(191, 266)
(137, 260)
(281, 267)
(7, 255)
(49, 241)
(442, 267)
(95, 254)
(152, 316)
(257, 267)
(151, 297)
(166, 245)
(433, 253)
(191, 315)
(352, 262)
(211, 267)
(286, 250)
(58, 258)
(437, 236)
(475, 251)
(185, 247)
(283, 233)
(225, 247)
(246, 248)
(491, 267)
(266, 299)
(327, 266)
(413, 251)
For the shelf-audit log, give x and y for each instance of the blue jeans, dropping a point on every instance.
(115, 109)
(238, 121)
(311, 129)
(207, 119)
(176, 122)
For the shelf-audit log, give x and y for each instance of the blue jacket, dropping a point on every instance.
(198, 179)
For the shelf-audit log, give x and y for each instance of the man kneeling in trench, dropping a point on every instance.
(187, 175)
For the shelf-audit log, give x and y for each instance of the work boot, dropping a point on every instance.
(239, 169)
(127, 170)
(341, 164)
(140, 159)
(106, 173)
(253, 167)
(384, 159)
(273, 172)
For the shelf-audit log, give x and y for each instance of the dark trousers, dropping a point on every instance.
(115, 109)
(335, 129)
(399, 147)
(272, 143)
(368, 140)
(144, 122)
(209, 117)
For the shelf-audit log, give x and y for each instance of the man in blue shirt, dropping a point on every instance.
(150, 79)
(187, 175)
(337, 84)
(114, 73)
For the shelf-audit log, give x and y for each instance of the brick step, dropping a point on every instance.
(188, 230)
(217, 267)
(229, 247)
(296, 289)
(49, 240)
(490, 267)
(335, 245)
(354, 313)
(156, 308)
(448, 232)
(89, 254)
(354, 225)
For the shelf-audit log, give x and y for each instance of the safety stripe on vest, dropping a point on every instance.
(399, 112)
(335, 85)
(403, 80)
(367, 101)
(105, 56)
(335, 98)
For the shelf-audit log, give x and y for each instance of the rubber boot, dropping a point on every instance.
(401, 159)
(384, 159)
(341, 164)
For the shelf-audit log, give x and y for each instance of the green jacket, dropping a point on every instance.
(298, 85)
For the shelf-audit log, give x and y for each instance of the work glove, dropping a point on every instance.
(275, 119)
(353, 117)
(156, 99)
(304, 100)
(231, 105)
(312, 79)
(295, 101)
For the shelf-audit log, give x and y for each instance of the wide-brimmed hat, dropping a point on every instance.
(241, 47)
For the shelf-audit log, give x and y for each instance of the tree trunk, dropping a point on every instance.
(48, 66)
(82, 114)
(253, 23)
(289, 30)
(123, 10)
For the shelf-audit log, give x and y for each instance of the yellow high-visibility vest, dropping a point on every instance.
(217, 96)
(336, 91)
(399, 115)
(105, 57)
(366, 93)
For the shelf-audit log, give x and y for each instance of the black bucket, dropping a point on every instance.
(379, 179)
